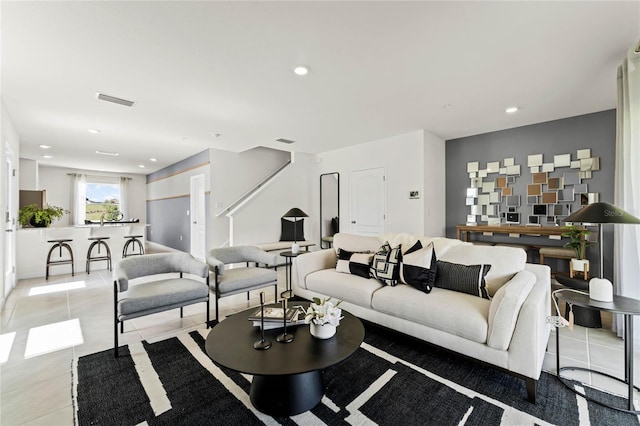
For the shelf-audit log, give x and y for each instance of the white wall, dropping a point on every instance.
(58, 184)
(10, 141)
(297, 186)
(232, 175)
(405, 159)
(434, 193)
(29, 174)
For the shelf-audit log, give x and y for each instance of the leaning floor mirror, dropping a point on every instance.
(329, 208)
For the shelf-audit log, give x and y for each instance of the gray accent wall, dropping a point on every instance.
(596, 131)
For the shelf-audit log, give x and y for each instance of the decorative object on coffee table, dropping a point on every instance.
(285, 337)
(262, 344)
(602, 213)
(295, 213)
(323, 317)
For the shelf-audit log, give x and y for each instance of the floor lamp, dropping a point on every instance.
(600, 288)
(295, 213)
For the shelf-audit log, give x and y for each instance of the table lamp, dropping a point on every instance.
(295, 213)
(601, 289)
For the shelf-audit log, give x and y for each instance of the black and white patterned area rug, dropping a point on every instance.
(391, 380)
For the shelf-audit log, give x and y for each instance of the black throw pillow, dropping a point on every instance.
(419, 266)
(465, 279)
(385, 265)
(288, 228)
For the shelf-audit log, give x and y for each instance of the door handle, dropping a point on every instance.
(353, 221)
(195, 222)
(8, 230)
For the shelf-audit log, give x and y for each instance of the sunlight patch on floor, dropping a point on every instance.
(53, 337)
(6, 342)
(54, 288)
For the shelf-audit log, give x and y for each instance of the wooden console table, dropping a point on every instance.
(463, 231)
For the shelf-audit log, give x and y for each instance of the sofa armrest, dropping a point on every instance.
(311, 262)
(531, 335)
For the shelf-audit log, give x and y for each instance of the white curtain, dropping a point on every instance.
(627, 183)
(124, 197)
(79, 211)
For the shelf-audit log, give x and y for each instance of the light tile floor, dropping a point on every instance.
(37, 390)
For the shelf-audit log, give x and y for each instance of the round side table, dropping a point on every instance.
(620, 305)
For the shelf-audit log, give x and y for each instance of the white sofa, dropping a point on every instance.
(510, 331)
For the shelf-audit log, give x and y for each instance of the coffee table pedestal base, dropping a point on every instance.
(288, 395)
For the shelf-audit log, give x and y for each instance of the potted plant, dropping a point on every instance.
(578, 242)
(323, 317)
(39, 217)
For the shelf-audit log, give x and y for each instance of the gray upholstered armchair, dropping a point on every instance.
(246, 278)
(157, 295)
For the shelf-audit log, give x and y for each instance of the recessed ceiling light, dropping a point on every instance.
(301, 69)
(45, 146)
(47, 156)
(511, 110)
(112, 154)
(94, 131)
(153, 160)
(141, 166)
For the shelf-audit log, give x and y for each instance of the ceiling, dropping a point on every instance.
(377, 69)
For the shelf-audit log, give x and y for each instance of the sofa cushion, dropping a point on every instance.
(449, 311)
(468, 279)
(355, 243)
(505, 307)
(385, 265)
(418, 267)
(505, 261)
(350, 288)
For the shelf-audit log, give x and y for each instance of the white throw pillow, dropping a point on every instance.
(505, 308)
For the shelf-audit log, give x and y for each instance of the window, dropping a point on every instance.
(102, 198)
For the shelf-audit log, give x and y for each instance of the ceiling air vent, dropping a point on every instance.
(114, 100)
(283, 140)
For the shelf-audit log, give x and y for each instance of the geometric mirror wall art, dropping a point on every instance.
(555, 189)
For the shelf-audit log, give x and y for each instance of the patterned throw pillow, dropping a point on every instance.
(386, 264)
(419, 266)
(465, 279)
(356, 263)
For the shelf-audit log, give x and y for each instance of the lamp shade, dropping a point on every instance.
(602, 213)
(295, 212)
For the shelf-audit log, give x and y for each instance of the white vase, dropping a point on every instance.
(295, 248)
(324, 331)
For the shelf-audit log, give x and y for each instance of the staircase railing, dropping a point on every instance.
(244, 198)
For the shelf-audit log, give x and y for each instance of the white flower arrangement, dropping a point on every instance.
(322, 312)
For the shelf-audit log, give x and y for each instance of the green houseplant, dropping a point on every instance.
(578, 242)
(39, 217)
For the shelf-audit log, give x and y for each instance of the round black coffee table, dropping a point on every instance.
(287, 378)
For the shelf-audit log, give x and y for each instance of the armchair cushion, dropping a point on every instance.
(238, 280)
(155, 294)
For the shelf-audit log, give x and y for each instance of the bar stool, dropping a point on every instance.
(134, 242)
(60, 244)
(98, 241)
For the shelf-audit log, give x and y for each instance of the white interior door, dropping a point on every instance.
(368, 201)
(198, 219)
(10, 225)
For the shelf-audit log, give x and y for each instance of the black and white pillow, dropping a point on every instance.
(419, 266)
(356, 263)
(468, 279)
(386, 264)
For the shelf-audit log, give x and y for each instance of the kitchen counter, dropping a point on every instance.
(32, 246)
